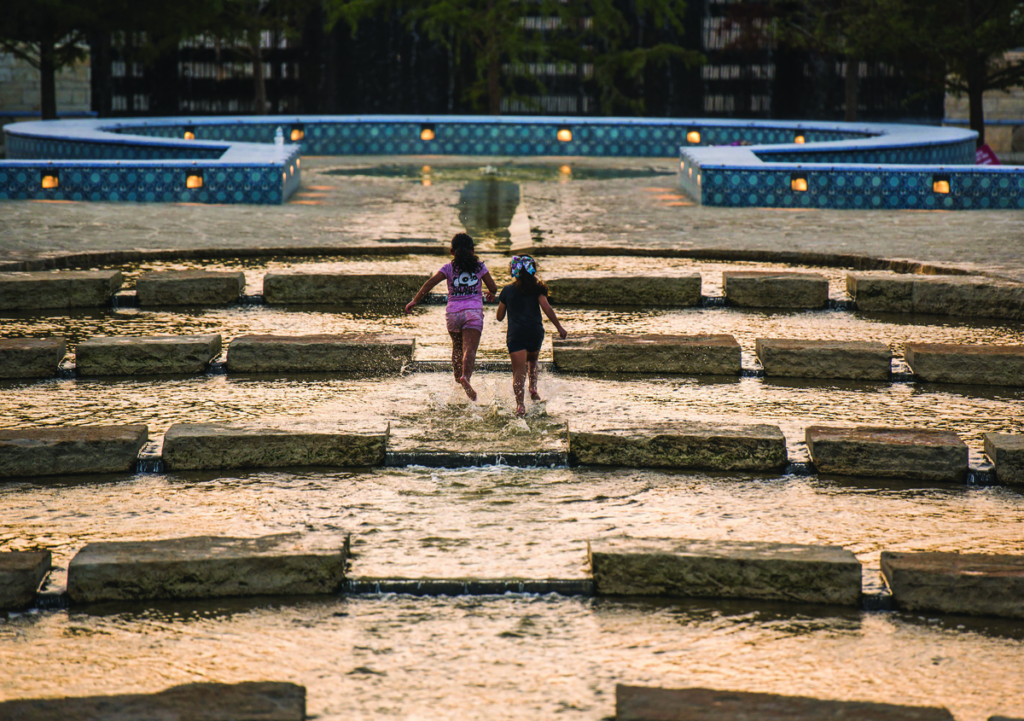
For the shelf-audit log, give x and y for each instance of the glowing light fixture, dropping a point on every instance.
(194, 179)
(564, 134)
(427, 132)
(698, 178)
(298, 162)
(284, 177)
(298, 132)
(940, 183)
(190, 134)
(799, 140)
(691, 172)
(798, 183)
(565, 170)
(425, 169)
(693, 136)
(51, 181)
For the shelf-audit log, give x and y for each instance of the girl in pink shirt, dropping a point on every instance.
(466, 275)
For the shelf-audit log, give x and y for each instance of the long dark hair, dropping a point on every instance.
(465, 260)
(524, 270)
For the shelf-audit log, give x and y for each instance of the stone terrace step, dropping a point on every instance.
(146, 355)
(212, 446)
(686, 444)
(976, 584)
(339, 288)
(65, 289)
(1007, 455)
(363, 353)
(937, 295)
(725, 569)
(1000, 365)
(910, 453)
(31, 357)
(208, 567)
(772, 289)
(190, 287)
(637, 703)
(690, 354)
(850, 360)
(70, 450)
(647, 291)
(21, 572)
(469, 586)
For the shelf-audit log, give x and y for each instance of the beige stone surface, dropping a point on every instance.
(773, 289)
(724, 569)
(62, 289)
(685, 444)
(208, 567)
(690, 354)
(207, 446)
(146, 355)
(340, 288)
(641, 290)
(851, 360)
(881, 293)
(1000, 365)
(21, 572)
(374, 353)
(31, 357)
(190, 287)
(70, 450)
(1006, 452)
(911, 453)
(956, 295)
(975, 584)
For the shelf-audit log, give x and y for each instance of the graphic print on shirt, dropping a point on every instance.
(465, 283)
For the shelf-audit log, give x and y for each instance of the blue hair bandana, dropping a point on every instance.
(521, 264)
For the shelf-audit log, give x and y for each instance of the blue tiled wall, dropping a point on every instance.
(20, 148)
(961, 153)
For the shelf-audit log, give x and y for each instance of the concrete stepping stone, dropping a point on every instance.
(248, 701)
(21, 572)
(911, 453)
(359, 353)
(686, 444)
(969, 296)
(31, 357)
(146, 355)
(647, 291)
(190, 287)
(1006, 452)
(70, 450)
(638, 703)
(773, 289)
(849, 360)
(65, 289)
(208, 567)
(975, 584)
(340, 288)
(725, 569)
(998, 365)
(689, 354)
(212, 446)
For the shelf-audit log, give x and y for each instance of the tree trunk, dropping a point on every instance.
(852, 81)
(47, 79)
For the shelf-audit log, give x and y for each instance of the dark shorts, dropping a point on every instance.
(517, 340)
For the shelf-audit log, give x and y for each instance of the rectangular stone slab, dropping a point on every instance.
(686, 444)
(146, 355)
(637, 703)
(850, 360)
(208, 567)
(912, 453)
(881, 293)
(248, 701)
(21, 572)
(975, 584)
(64, 289)
(1006, 452)
(361, 353)
(998, 365)
(647, 291)
(771, 289)
(968, 296)
(31, 357)
(70, 450)
(691, 354)
(725, 569)
(190, 287)
(340, 288)
(210, 446)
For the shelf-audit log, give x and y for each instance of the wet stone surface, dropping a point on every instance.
(766, 289)
(339, 288)
(698, 354)
(851, 360)
(146, 355)
(190, 287)
(21, 572)
(1006, 451)
(71, 450)
(367, 353)
(919, 454)
(969, 365)
(31, 357)
(64, 289)
(646, 291)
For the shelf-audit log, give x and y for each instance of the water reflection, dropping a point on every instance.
(486, 208)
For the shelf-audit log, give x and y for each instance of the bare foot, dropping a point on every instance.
(464, 382)
(534, 395)
(520, 411)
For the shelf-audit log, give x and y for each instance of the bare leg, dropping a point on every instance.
(470, 342)
(456, 355)
(519, 380)
(531, 361)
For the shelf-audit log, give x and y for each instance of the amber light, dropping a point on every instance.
(564, 134)
(427, 132)
(298, 133)
(298, 162)
(51, 181)
(799, 140)
(565, 170)
(194, 180)
(798, 184)
(693, 137)
(940, 185)
(189, 135)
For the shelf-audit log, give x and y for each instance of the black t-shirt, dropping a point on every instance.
(523, 310)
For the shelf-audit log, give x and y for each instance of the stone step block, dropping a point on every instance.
(646, 291)
(64, 289)
(911, 453)
(975, 584)
(690, 354)
(999, 365)
(70, 450)
(190, 287)
(725, 569)
(21, 572)
(968, 296)
(637, 703)
(31, 357)
(340, 288)
(212, 446)
(1006, 452)
(247, 701)
(208, 567)
(146, 355)
(359, 353)
(849, 360)
(773, 289)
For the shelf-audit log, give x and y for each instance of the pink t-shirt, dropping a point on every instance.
(464, 289)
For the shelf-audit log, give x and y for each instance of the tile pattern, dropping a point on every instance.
(938, 154)
(71, 149)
